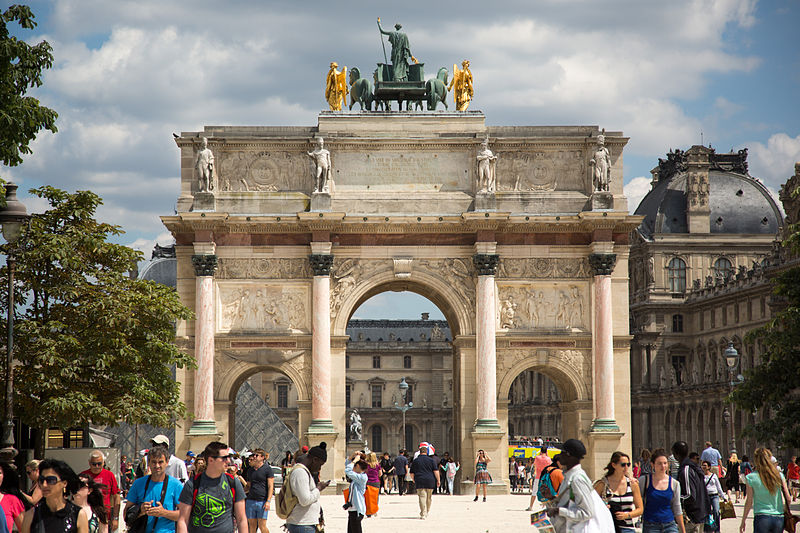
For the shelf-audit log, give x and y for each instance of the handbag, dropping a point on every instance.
(136, 523)
(726, 510)
(790, 521)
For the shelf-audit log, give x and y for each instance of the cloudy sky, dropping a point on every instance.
(128, 74)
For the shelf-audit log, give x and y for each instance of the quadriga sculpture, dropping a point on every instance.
(436, 89)
(360, 90)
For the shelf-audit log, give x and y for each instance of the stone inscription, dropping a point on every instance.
(262, 308)
(541, 171)
(412, 171)
(267, 171)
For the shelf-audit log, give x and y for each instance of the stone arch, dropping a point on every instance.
(570, 381)
(227, 383)
(458, 311)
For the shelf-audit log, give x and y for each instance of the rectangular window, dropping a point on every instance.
(410, 394)
(377, 393)
(347, 391)
(713, 312)
(677, 323)
(763, 307)
(376, 361)
(283, 396)
(347, 361)
(55, 438)
(749, 310)
(406, 361)
(736, 312)
(724, 315)
(75, 438)
(701, 319)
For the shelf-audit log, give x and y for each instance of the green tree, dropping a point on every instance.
(93, 344)
(772, 386)
(21, 66)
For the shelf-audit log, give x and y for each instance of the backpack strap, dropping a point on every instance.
(163, 496)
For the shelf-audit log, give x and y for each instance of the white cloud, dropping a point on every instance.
(146, 245)
(635, 190)
(774, 161)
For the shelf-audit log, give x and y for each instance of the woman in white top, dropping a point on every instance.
(715, 492)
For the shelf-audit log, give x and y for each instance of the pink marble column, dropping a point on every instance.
(205, 266)
(321, 420)
(486, 353)
(603, 265)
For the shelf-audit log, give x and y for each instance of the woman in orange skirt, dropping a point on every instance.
(373, 484)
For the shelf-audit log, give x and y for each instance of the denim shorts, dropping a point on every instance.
(658, 527)
(254, 510)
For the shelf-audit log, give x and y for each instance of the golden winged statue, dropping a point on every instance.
(461, 85)
(336, 87)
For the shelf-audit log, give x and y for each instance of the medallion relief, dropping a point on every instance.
(298, 268)
(262, 308)
(540, 171)
(545, 268)
(267, 171)
(555, 306)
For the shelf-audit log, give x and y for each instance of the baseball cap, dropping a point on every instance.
(160, 439)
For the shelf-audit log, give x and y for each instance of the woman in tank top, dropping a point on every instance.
(89, 497)
(661, 495)
(55, 513)
(621, 493)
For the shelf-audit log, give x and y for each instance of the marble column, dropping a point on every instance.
(321, 420)
(486, 353)
(602, 265)
(204, 268)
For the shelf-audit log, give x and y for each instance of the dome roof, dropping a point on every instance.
(162, 270)
(739, 205)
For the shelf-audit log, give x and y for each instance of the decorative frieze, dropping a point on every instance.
(544, 268)
(204, 265)
(230, 268)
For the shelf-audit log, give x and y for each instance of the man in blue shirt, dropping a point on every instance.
(146, 492)
(711, 455)
(400, 470)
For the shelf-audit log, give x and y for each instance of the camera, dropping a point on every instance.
(347, 506)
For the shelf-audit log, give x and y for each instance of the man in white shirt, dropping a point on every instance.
(305, 515)
(175, 468)
(576, 488)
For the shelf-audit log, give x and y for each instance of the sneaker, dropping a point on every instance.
(484, 498)
(476, 499)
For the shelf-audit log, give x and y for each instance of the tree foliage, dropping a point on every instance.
(93, 344)
(21, 66)
(772, 386)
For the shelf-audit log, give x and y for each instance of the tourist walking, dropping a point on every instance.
(89, 497)
(540, 462)
(715, 492)
(401, 471)
(176, 467)
(158, 494)
(11, 498)
(425, 475)
(732, 481)
(661, 497)
(355, 469)
(621, 493)
(512, 473)
(793, 475)
(373, 484)
(645, 464)
(443, 489)
(305, 515)
(286, 462)
(482, 476)
(713, 457)
(210, 502)
(103, 476)
(387, 468)
(34, 493)
(450, 470)
(55, 513)
(260, 486)
(767, 495)
(694, 498)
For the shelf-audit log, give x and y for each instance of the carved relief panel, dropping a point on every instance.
(268, 171)
(260, 307)
(552, 306)
(544, 268)
(228, 268)
(541, 171)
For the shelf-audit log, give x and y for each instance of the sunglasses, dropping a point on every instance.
(223, 457)
(623, 465)
(96, 464)
(50, 480)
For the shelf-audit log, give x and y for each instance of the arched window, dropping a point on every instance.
(677, 275)
(377, 438)
(723, 268)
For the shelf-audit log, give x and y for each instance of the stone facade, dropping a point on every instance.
(292, 266)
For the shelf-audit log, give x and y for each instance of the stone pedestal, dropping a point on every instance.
(320, 201)
(204, 424)
(495, 444)
(485, 201)
(603, 265)
(602, 200)
(599, 449)
(330, 468)
(204, 201)
(354, 446)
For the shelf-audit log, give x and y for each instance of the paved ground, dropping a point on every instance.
(399, 514)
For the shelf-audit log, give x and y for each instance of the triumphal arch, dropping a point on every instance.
(518, 234)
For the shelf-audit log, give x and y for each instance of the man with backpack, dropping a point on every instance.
(694, 497)
(210, 502)
(540, 462)
(298, 500)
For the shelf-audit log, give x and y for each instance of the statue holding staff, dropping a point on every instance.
(401, 52)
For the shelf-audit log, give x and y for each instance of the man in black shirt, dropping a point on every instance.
(425, 474)
(260, 483)
(400, 470)
(694, 498)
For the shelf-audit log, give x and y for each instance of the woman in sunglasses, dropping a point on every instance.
(621, 493)
(34, 494)
(56, 513)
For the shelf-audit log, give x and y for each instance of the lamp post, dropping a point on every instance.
(403, 386)
(732, 361)
(12, 217)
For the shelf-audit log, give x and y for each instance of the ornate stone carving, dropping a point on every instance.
(553, 306)
(263, 268)
(539, 171)
(204, 164)
(544, 268)
(458, 273)
(204, 265)
(264, 171)
(436, 333)
(508, 311)
(321, 264)
(262, 308)
(347, 273)
(487, 163)
(322, 167)
(486, 264)
(601, 165)
(602, 264)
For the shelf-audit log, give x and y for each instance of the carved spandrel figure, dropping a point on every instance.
(322, 166)
(204, 163)
(508, 313)
(601, 165)
(336, 87)
(487, 164)
(461, 85)
(401, 52)
(575, 307)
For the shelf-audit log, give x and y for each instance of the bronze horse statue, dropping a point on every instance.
(360, 90)
(436, 89)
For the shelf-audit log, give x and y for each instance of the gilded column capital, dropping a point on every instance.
(486, 264)
(602, 264)
(321, 264)
(204, 265)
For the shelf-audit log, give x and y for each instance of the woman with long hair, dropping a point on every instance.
(482, 476)
(645, 464)
(34, 494)
(621, 493)
(56, 513)
(373, 483)
(767, 495)
(661, 495)
(89, 497)
(732, 480)
(199, 465)
(715, 492)
(12, 500)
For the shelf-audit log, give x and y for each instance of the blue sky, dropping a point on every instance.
(128, 74)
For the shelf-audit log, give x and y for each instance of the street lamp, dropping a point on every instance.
(732, 361)
(12, 217)
(403, 386)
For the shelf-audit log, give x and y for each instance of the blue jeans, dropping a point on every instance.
(658, 527)
(767, 523)
(296, 528)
